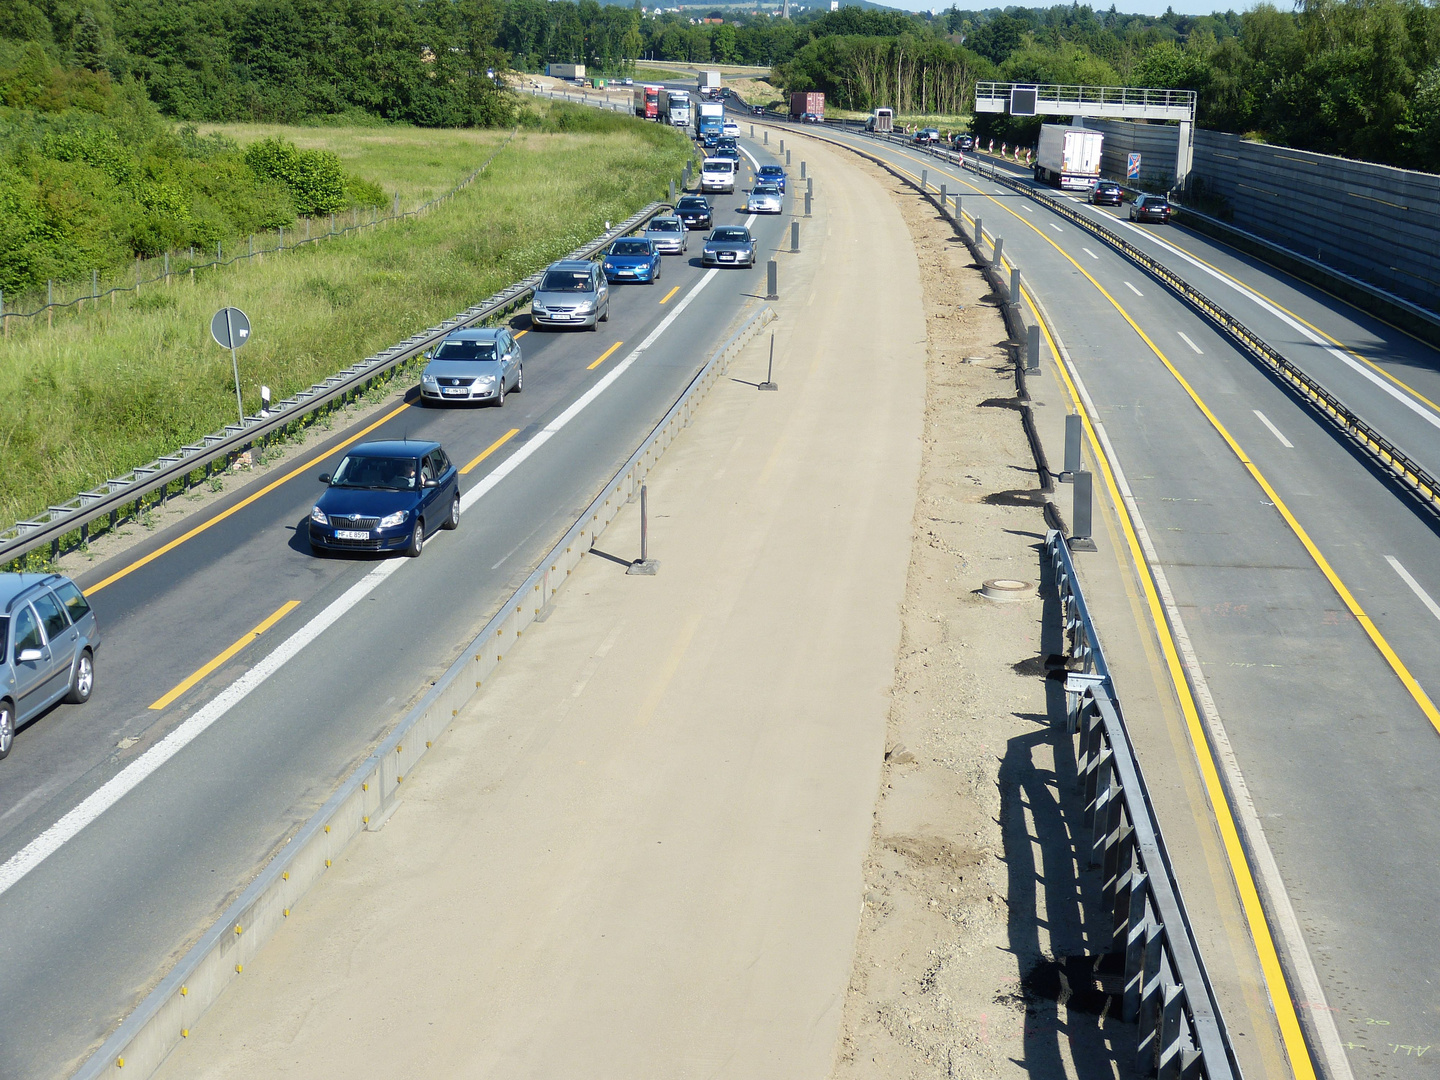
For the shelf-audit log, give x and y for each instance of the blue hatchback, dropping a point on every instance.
(632, 258)
(773, 174)
(386, 496)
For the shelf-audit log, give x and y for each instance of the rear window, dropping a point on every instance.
(466, 350)
(73, 599)
(566, 281)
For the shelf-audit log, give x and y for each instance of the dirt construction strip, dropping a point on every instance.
(790, 808)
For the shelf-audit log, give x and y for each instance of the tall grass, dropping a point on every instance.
(106, 391)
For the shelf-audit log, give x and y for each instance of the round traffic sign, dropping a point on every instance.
(230, 328)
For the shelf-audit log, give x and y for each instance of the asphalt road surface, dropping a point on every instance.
(94, 923)
(1339, 753)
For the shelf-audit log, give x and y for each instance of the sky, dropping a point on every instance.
(1130, 7)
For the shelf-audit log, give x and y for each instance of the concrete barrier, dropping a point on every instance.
(369, 795)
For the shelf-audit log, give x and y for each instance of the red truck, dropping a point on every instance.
(808, 106)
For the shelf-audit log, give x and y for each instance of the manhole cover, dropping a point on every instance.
(1006, 589)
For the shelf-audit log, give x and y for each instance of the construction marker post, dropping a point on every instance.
(807, 204)
(944, 198)
(769, 383)
(794, 237)
(999, 243)
(672, 191)
(787, 157)
(1032, 348)
(644, 565)
(979, 236)
(1073, 427)
(1080, 517)
(924, 180)
(767, 137)
(1015, 285)
(772, 280)
(802, 170)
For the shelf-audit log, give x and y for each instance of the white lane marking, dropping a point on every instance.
(1186, 339)
(1132, 288)
(1092, 255)
(1418, 408)
(1273, 429)
(1277, 901)
(1027, 210)
(1415, 587)
(1056, 227)
(130, 777)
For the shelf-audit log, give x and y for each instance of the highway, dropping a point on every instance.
(1279, 543)
(106, 876)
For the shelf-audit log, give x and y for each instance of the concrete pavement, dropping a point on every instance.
(639, 852)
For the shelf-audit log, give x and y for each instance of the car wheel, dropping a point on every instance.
(520, 378)
(452, 521)
(500, 394)
(417, 540)
(7, 728)
(84, 683)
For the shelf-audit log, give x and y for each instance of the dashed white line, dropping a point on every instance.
(1056, 227)
(1186, 339)
(1415, 587)
(1273, 429)
(1027, 209)
(1092, 255)
(1132, 288)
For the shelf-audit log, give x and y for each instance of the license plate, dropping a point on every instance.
(727, 256)
(625, 273)
(351, 534)
(455, 391)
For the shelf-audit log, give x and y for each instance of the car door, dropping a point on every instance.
(30, 675)
(602, 293)
(504, 347)
(447, 472)
(429, 495)
(60, 637)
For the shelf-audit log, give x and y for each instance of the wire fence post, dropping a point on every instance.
(167, 269)
(138, 274)
(50, 299)
(396, 211)
(4, 319)
(95, 285)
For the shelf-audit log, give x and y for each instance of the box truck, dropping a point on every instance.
(1068, 157)
(707, 83)
(807, 105)
(709, 118)
(565, 71)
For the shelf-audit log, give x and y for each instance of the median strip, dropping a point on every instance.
(279, 613)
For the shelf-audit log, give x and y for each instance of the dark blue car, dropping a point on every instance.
(632, 258)
(773, 174)
(386, 496)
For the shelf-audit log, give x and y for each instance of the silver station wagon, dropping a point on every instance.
(473, 365)
(572, 292)
(49, 636)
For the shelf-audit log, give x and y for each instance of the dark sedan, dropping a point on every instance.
(694, 211)
(386, 496)
(1150, 208)
(1107, 193)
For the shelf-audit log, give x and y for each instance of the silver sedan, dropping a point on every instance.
(764, 199)
(670, 235)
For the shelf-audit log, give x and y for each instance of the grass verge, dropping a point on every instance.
(108, 390)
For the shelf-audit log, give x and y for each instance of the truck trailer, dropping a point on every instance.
(565, 71)
(1068, 157)
(707, 83)
(807, 104)
(881, 121)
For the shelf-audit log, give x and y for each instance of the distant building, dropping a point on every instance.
(834, 5)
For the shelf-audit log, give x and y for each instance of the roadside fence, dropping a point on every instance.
(367, 798)
(1163, 986)
(173, 266)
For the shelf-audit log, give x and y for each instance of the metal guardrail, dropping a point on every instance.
(1165, 989)
(368, 796)
(1414, 478)
(128, 492)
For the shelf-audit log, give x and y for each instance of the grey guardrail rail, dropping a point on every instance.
(1162, 982)
(368, 795)
(111, 500)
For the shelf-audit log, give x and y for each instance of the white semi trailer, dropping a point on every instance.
(1068, 157)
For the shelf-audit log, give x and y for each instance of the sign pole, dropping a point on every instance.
(235, 362)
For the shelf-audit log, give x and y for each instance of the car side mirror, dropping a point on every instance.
(29, 656)
(325, 478)
(428, 355)
(432, 482)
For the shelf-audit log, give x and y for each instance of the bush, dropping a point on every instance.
(314, 178)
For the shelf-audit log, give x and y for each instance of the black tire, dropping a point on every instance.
(83, 685)
(500, 394)
(7, 728)
(417, 541)
(519, 378)
(606, 316)
(452, 520)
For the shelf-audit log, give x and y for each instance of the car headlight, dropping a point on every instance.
(429, 380)
(485, 380)
(318, 516)
(609, 266)
(391, 520)
(586, 305)
(536, 306)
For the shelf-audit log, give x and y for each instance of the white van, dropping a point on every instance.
(718, 174)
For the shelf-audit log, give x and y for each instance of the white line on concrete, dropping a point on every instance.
(1417, 407)
(130, 777)
(1132, 288)
(1092, 255)
(1273, 429)
(1027, 209)
(1275, 898)
(1056, 227)
(1415, 586)
(1186, 338)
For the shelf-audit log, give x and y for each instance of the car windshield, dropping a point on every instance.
(771, 170)
(630, 247)
(566, 281)
(664, 225)
(385, 473)
(465, 350)
(730, 236)
(693, 203)
(766, 189)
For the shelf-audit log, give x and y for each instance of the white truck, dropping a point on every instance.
(1068, 157)
(565, 71)
(677, 107)
(707, 83)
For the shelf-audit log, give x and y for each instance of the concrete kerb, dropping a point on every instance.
(145, 1038)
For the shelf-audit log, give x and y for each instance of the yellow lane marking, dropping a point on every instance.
(671, 293)
(309, 464)
(606, 354)
(501, 441)
(283, 610)
(521, 333)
